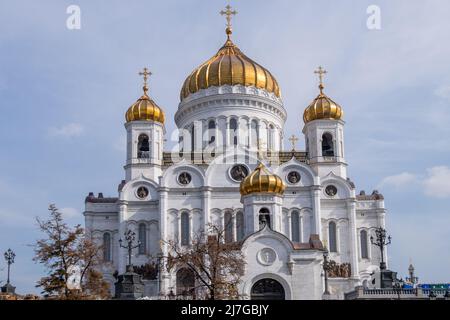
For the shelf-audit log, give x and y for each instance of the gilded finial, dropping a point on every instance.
(321, 72)
(228, 13)
(145, 73)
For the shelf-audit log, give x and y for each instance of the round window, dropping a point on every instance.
(331, 190)
(238, 172)
(142, 192)
(293, 177)
(184, 178)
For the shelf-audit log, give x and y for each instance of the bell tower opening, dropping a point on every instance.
(264, 218)
(143, 147)
(327, 145)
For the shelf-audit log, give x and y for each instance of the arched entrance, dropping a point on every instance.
(185, 282)
(267, 289)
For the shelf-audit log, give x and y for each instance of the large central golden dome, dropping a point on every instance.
(229, 67)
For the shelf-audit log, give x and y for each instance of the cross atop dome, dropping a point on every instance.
(145, 73)
(321, 72)
(228, 13)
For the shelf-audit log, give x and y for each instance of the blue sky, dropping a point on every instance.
(63, 95)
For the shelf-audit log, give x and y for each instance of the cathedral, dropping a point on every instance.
(284, 207)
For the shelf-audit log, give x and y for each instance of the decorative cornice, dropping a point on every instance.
(227, 89)
(231, 96)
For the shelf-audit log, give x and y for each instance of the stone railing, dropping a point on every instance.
(362, 293)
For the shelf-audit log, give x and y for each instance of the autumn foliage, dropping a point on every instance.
(59, 251)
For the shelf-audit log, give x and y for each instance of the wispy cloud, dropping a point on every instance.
(398, 181)
(437, 182)
(67, 131)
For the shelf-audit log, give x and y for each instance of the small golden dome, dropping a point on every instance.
(322, 107)
(145, 109)
(262, 181)
(229, 67)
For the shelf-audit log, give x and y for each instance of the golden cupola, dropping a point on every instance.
(229, 66)
(323, 107)
(262, 181)
(145, 109)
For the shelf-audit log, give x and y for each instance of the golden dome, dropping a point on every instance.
(145, 109)
(322, 107)
(229, 67)
(262, 181)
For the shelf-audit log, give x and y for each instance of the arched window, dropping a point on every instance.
(185, 282)
(212, 131)
(254, 134)
(364, 246)
(181, 143)
(240, 230)
(332, 237)
(185, 229)
(327, 145)
(228, 223)
(142, 238)
(295, 226)
(264, 218)
(192, 138)
(106, 247)
(233, 131)
(143, 147)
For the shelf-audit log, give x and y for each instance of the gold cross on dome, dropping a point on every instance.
(321, 72)
(228, 13)
(145, 73)
(293, 139)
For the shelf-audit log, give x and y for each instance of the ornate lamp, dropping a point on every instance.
(381, 241)
(130, 236)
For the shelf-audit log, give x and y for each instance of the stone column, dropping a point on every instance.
(206, 201)
(249, 133)
(198, 142)
(227, 133)
(121, 257)
(351, 211)
(216, 134)
(289, 235)
(315, 194)
(163, 205)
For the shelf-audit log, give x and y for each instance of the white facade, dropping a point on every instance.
(248, 127)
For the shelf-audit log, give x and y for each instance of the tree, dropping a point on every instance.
(62, 249)
(218, 266)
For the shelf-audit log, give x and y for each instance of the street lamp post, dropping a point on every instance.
(130, 236)
(381, 241)
(326, 268)
(9, 257)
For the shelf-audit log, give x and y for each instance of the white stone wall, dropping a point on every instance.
(212, 192)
